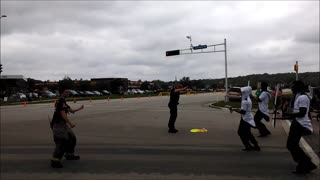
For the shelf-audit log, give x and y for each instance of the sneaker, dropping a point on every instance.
(72, 157)
(304, 168)
(256, 148)
(172, 131)
(56, 164)
(300, 171)
(311, 166)
(248, 148)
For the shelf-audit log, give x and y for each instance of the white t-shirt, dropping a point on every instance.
(303, 101)
(247, 106)
(263, 105)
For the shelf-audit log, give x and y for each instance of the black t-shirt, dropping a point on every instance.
(174, 97)
(61, 105)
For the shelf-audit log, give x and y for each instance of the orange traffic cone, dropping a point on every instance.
(25, 104)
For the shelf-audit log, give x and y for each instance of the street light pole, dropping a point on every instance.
(226, 69)
(2, 16)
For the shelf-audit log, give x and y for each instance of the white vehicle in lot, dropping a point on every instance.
(133, 91)
(139, 91)
(105, 92)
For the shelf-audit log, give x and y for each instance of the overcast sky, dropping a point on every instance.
(100, 39)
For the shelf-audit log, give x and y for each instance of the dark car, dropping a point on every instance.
(73, 93)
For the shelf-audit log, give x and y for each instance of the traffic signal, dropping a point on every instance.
(173, 53)
(296, 67)
(0, 68)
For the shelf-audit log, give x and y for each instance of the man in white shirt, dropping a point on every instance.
(263, 110)
(300, 125)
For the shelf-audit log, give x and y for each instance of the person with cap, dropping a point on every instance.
(173, 106)
(300, 125)
(64, 137)
(263, 110)
(247, 121)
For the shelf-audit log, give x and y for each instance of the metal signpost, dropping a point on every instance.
(204, 49)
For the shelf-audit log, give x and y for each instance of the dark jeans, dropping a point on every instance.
(64, 139)
(245, 134)
(173, 116)
(295, 134)
(260, 126)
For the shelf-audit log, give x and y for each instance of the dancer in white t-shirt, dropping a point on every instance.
(300, 125)
(263, 110)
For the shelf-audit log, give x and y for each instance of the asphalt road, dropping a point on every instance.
(128, 139)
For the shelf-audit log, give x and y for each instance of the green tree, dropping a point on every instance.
(66, 82)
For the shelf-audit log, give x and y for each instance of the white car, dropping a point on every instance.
(140, 91)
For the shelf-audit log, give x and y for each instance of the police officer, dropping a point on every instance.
(263, 110)
(63, 135)
(173, 106)
(300, 125)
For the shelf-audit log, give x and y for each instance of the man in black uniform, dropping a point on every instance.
(63, 135)
(173, 105)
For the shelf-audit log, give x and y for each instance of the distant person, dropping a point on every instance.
(247, 122)
(63, 135)
(263, 110)
(300, 125)
(173, 106)
(258, 91)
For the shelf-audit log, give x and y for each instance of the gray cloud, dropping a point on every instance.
(89, 39)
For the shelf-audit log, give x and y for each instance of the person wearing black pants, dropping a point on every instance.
(247, 137)
(63, 135)
(300, 125)
(263, 111)
(247, 122)
(173, 106)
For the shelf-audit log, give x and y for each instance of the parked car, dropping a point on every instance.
(105, 92)
(139, 91)
(81, 93)
(18, 97)
(132, 91)
(73, 93)
(88, 93)
(48, 94)
(96, 93)
(234, 93)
